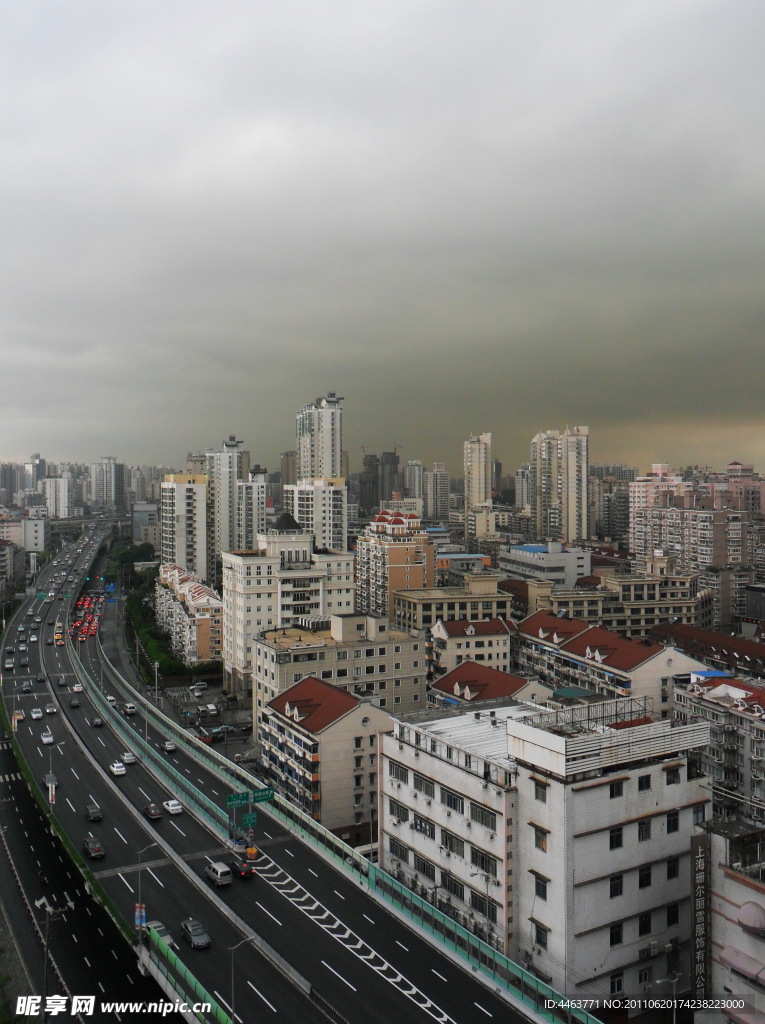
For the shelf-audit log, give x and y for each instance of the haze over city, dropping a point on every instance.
(494, 217)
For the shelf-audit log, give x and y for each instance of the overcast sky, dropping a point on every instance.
(470, 216)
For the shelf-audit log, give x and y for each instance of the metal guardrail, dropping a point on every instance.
(479, 955)
(181, 978)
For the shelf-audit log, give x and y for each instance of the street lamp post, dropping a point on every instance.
(673, 982)
(140, 904)
(49, 913)
(232, 949)
(477, 874)
(156, 683)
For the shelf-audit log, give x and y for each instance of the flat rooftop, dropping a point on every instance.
(473, 730)
(290, 637)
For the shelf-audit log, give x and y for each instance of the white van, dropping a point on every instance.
(211, 710)
(219, 873)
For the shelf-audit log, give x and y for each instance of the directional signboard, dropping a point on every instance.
(237, 800)
(249, 820)
(260, 796)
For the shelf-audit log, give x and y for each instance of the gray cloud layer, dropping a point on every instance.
(502, 216)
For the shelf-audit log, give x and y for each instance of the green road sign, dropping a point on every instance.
(249, 820)
(237, 800)
(261, 795)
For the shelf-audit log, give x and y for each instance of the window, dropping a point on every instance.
(540, 936)
(616, 934)
(483, 816)
(673, 821)
(399, 850)
(644, 783)
(540, 839)
(540, 792)
(452, 885)
(644, 924)
(673, 914)
(424, 827)
(673, 868)
(452, 800)
(616, 789)
(483, 861)
(423, 785)
(397, 771)
(357, 743)
(615, 838)
(698, 814)
(452, 843)
(617, 983)
(616, 885)
(644, 830)
(540, 887)
(398, 810)
(673, 776)
(645, 974)
(424, 867)
(644, 877)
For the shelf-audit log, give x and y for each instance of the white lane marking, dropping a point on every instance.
(76, 776)
(223, 1002)
(338, 894)
(39, 752)
(290, 853)
(70, 804)
(269, 913)
(102, 988)
(145, 794)
(216, 793)
(126, 882)
(155, 877)
(266, 834)
(402, 945)
(115, 956)
(257, 993)
(101, 742)
(482, 1009)
(86, 961)
(313, 873)
(368, 918)
(437, 974)
(179, 829)
(120, 835)
(339, 975)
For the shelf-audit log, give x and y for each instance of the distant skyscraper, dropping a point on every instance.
(477, 466)
(436, 493)
(319, 431)
(225, 469)
(523, 486)
(250, 511)
(413, 479)
(369, 484)
(289, 468)
(390, 478)
(545, 482)
(57, 499)
(496, 475)
(574, 467)
(107, 485)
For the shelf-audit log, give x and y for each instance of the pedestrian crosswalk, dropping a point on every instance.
(13, 777)
(5, 746)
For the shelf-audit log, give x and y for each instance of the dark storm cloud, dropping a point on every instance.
(500, 216)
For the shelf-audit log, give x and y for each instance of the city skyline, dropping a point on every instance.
(212, 218)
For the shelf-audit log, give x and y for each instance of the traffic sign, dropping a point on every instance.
(261, 795)
(237, 799)
(249, 819)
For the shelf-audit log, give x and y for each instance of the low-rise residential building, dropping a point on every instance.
(12, 568)
(570, 652)
(479, 598)
(282, 581)
(472, 683)
(734, 655)
(320, 748)
(145, 525)
(361, 654)
(560, 837)
(191, 613)
(32, 533)
(552, 562)
(459, 640)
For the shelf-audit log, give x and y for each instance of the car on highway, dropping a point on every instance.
(61, 681)
(194, 933)
(21, 628)
(50, 709)
(8, 664)
(38, 618)
(93, 847)
(47, 737)
(128, 757)
(93, 812)
(49, 779)
(74, 702)
(24, 661)
(173, 806)
(152, 812)
(49, 641)
(33, 638)
(26, 687)
(242, 868)
(20, 716)
(36, 713)
(162, 932)
(97, 722)
(168, 746)
(77, 688)
(111, 700)
(40, 677)
(23, 647)
(218, 873)
(117, 768)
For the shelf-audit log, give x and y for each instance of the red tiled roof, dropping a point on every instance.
(692, 638)
(483, 682)
(550, 624)
(318, 704)
(487, 627)
(588, 581)
(615, 651)
(631, 724)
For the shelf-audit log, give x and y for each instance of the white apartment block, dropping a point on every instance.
(557, 482)
(645, 490)
(31, 534)
(183, 522)
(278, 583)
(107, 484)
(250, 511)
(561, 837)
(57, 498)
(319, 432)
(543, 484)
(225, 470)
(359, 654)
(575, 475)
(414, 480)
(191, 613)
(321, 507)
(476, 458)
(436, 493)
(550, 561)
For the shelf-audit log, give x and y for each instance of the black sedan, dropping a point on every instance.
(152, 812)
(194, 933)
(93, 847)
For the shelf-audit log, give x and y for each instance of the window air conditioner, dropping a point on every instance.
(669, 947)
(411, 824)
(654, 948)
(398, 785)
(644, 952)
(428, 803)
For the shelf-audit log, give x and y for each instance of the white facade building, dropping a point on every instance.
(575, 474)
(436, 493)
(191, 613)
(225, 469)
(477, 466)
(561, 837)
(319, 432)
(321, 508)
(183, 522)
(107, 484)
(57, 499)
(250, 511)
(550, 561)
(414, 480)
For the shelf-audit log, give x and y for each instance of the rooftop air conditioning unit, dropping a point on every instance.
(654, 948)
